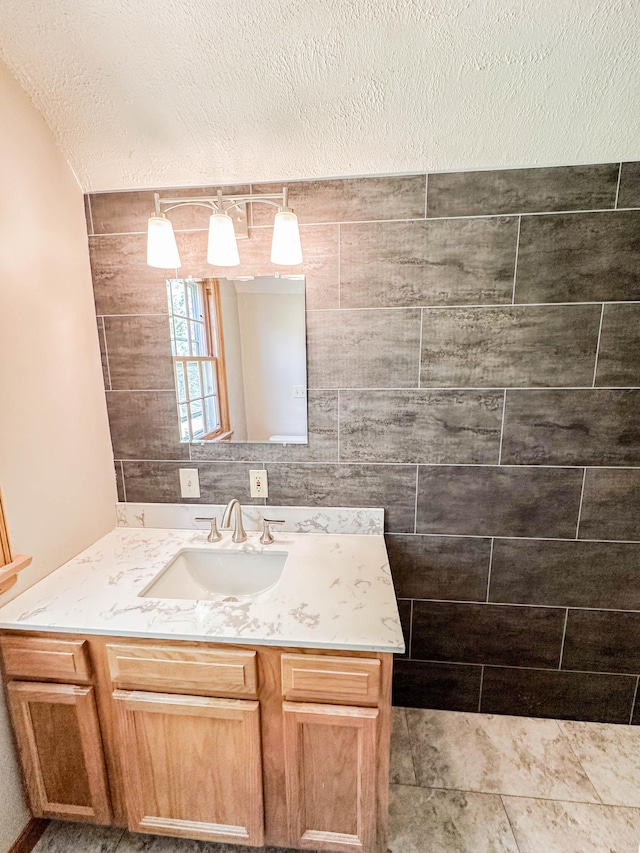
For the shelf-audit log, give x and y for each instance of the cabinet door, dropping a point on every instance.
(330, 757)
(192, 765)
(60, 746)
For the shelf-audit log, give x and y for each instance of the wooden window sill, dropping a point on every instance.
(9, 573)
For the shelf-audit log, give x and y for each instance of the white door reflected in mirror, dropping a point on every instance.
(240, 362)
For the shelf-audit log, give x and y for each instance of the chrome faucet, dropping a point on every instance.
(239, 533)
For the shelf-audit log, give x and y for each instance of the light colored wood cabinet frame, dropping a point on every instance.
(244, 713)
(21, 696)
(302, 832)
(270, 694)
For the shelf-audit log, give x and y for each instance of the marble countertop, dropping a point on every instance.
(335, 592)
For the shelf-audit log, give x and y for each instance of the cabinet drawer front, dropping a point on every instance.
(171, 668)
(321, 678)
(34, 657)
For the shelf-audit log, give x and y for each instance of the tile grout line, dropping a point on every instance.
(513, 834)
(633, 701)
(106, 352)
(515, 265)
(441, 306)
(411, 750)
(430, 307)
(615, 203)
(584, 477)
(339, 268)
(480, 691)
(595, 366)
(420, 348)
(415, 507)
(569, 745)
(410, 629)
(564, 635)
(124, 486)
(93, 230)
(528, 796)
(426, 193)
(330, 222)
(337, 428)
(518, 467)
(504, 410)
(489, 573)
(547, 670)
(465, 602)
(410, 389)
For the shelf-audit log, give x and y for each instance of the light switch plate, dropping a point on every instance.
(258, 483)
(189, 483)
(299, 391)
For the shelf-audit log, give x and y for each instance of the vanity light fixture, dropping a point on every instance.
(222, 248)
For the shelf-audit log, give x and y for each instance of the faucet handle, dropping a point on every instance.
(214, 533)
(267, 536)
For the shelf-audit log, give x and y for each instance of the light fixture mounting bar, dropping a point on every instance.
(269, 198)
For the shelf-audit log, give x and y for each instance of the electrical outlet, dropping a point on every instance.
(258, 483)
(189, 483)
(299, 391)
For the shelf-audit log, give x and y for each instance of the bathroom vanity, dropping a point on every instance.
(260, 719)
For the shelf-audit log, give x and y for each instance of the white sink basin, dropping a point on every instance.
(200, 574)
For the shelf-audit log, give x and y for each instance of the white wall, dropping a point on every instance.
(56, 463)
(274, 360)
(233, 359)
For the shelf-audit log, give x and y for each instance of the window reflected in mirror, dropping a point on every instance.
(239, 355)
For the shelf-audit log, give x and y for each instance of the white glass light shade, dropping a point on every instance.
(222, 250)
(285, 245)
(162, 250)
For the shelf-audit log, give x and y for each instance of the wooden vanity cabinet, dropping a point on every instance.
(251, 745)
(60, 747)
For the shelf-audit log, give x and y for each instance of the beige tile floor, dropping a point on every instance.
(473, 783)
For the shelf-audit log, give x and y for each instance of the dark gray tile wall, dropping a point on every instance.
(474, 368)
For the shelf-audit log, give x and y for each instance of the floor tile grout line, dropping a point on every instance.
(513, 833)
(595, 365)
(577, 758)
(411, 750)
(633, 702)
(415, 507)
(504, 410)
(538, 798)
(480, 690)
(615, 203)
(584, 477)
(515, 265)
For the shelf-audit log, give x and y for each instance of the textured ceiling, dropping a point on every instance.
(176, 92)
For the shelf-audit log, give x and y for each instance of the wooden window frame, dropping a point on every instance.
(9, 565)
(214, 341)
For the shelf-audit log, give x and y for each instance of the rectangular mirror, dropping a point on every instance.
(240, 358)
